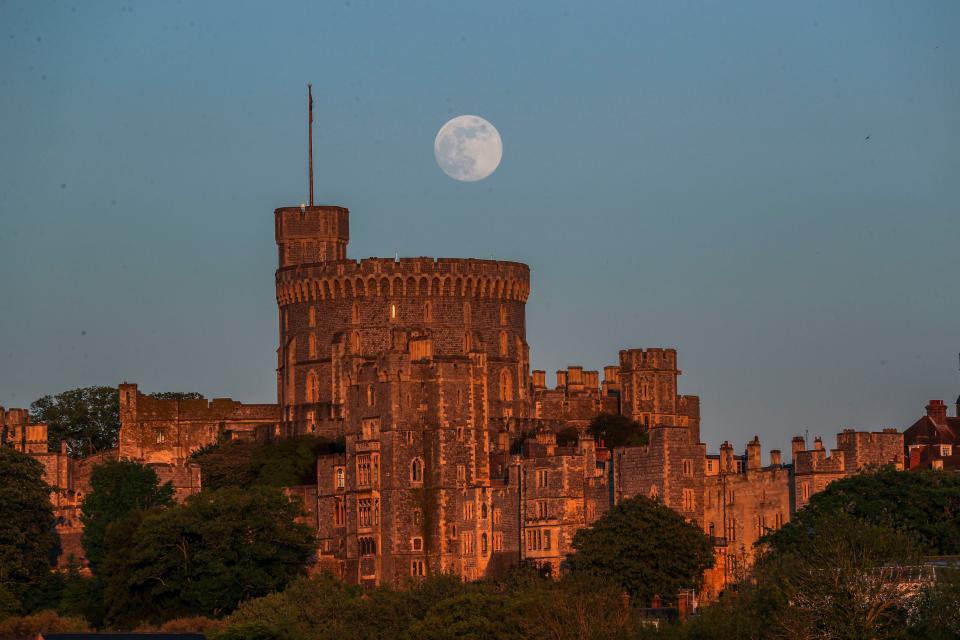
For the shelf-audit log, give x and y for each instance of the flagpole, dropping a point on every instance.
(310, 144)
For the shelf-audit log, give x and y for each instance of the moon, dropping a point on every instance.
(468, 148)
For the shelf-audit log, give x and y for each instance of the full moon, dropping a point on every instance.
(468, 148)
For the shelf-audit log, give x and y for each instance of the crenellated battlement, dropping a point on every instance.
(652, 358)
(387, 277)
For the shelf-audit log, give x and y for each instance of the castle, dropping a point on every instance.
(451, 461)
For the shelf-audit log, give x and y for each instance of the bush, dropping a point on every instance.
(29, 627)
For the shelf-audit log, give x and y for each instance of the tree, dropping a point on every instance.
(615, 430)
(88, 419)
(845, 579)
(205, 556)
(240, 463)
(646, 548)
(117, 488)
(924, 505)
(28, 542)
(177, 395)
(568, 437)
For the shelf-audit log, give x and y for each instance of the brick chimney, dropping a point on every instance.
(775, 460)
(937, 411)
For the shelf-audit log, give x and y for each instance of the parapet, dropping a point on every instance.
(388, 277)
(652, 358)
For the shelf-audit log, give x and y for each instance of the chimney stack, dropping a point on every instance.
(937, 411)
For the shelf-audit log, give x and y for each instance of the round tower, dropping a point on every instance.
(336, 313)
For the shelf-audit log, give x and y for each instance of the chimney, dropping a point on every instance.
(753, 454)
(726, 458)
(539, 379)
(797, 445)
(818, 444)
(775, 460)
(561, 379)
(937, 411)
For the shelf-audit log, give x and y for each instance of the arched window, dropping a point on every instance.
(355, 342)
(416, 470)
(504, 343)
(312, 343)
(427, 311)
(467, 342)
(466, 313)
(393, 312)
(355, 313)
(341, 478)
(313, 387)
(483, 510)
(503, 315)
(506, 386)
(371, 396)
(313, 316)
(654, 494)
(483, 543)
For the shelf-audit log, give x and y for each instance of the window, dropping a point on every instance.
(416, 544)
(503, 343)
(371, 396)
(543, 509)
(418, 568)
(416, 470)
(945, 450)
(312, 344)
(497, 542)
(313, 316)
(483, 544)
(503, 315)
(654, 493)
(806, 491)
(731, 529)
(453, 530)
(393, 311)
(689, 502)
(368, 546)
(364, 512)
(542, 478)
(467, 342)
(539, 539)
(370, 428)
(731, 496)
(466, 313)
(339, 512)
(461, 473)
(159, 436)
(710, 466)
(546, 539)
(363, 470)
(409, 433)
(355, 314)
(469, 511)
(712, 530)
(427, 311)
(506, 386)
(340, 478)
(688, 467)
(497, 517)
(417, 517)
(483, 510)
(467, 543)
(313, 387)
(591, 509)
(460, 434)
(355, 342)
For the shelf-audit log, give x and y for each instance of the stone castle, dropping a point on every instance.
(451, 461)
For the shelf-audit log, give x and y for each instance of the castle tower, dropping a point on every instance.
(648, 381)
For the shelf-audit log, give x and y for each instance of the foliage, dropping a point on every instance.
(568, 436)
(524, 605)
(28, 541)
(177, 395)
(615, 430)
(204, 557)
(88, 419)
(646, 548)
(117, 488)
(241, 463)
(937, 615)
(30, 627)
(924, 505)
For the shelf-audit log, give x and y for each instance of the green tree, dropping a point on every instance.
(117, 488)
(88, 419)
(568, 437)
(646, 548)
(205, 556)
(615, 430)
(28, 542)
(177, 395)
(240, 463)
(924, 505)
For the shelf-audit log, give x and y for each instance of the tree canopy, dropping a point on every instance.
(117, 488)
(28, 542)
(646, 548)
(239, 463)
(924, 505)
(87, 419)
(615, 430)
(203, 557)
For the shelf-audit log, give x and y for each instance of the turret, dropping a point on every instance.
(308, 235)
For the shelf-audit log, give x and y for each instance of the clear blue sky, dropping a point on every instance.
(681, 174)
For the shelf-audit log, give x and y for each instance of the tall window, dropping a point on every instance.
(466, 313)
(363, 470)
(368, 546)
(418, 568)
(339, 512)
(483, 544)
(461, 473)
(506, 386)
(393, 311)
(355, 314)
(688, 467)
(541, 478)
(159, 436)
(503, 315)
(416, 470)
(689, 502)
(313, 386)
(341, 478)
(313, 316)
(355, 341)
(497, 542)
(312, 345)
(469, 511)
(427, 311)
(543, 509)
(503, 343)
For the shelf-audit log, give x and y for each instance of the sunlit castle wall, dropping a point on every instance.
(335, 314)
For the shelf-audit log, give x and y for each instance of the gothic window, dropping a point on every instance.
(503, 315)
(341, 478)
(483, 510)
(427, 311)
(376, 511)
(497, 542)
(506, 386)
(541, 478)
(368, 546)
(503, 343)
(461, 473)
(393, 312)
(313, 316)
(483, 543)
(312, 344)
(159, 436)
(371, 396)
(313, 387)
(416, 471)
(467, 342)
(355, 342)
(339, 512)
(363, 470)
(466, 313)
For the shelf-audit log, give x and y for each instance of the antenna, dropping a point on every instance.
(310, 144)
